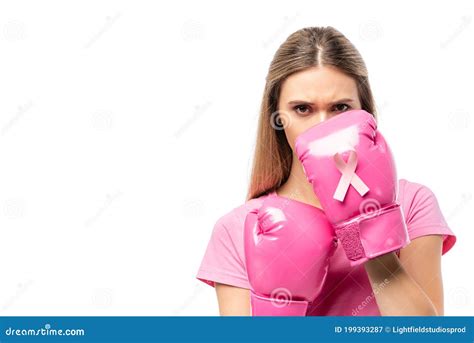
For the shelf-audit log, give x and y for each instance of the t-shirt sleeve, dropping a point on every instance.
(424, 216)
(223, 259)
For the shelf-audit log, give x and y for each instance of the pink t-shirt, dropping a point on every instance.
(347, 290)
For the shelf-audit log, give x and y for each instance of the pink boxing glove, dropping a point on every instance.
(287, 247)
(352, 171)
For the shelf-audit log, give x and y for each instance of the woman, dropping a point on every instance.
(317, 74)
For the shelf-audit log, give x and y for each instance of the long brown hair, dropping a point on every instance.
(305, 48)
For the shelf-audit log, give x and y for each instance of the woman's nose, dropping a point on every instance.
(321, 116)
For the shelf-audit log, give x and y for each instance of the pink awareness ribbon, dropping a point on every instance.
(348, 176)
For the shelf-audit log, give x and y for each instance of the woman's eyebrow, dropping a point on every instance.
(310, 103)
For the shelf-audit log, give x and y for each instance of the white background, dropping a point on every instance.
(127, 129)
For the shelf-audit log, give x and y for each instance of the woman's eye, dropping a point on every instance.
(338, 107)
(301, 109)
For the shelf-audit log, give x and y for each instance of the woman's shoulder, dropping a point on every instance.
(412, 195)
(407, 186)
(422, 212)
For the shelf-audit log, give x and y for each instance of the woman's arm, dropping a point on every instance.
(233, 301)
(410, 285)
(422, 260)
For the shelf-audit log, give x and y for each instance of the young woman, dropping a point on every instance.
(317, 74)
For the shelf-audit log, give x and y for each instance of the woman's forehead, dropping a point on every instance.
(318, 85)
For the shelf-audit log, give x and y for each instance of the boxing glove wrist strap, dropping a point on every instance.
(264, 306)
(372, 234)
